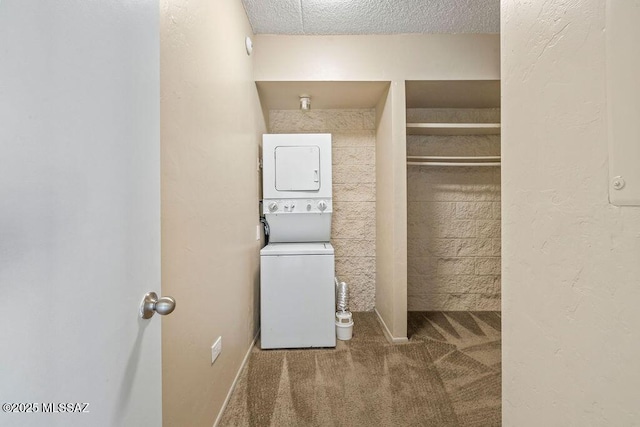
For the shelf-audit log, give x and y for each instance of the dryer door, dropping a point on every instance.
(297, 168)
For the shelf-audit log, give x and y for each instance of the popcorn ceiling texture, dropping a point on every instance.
(354, 191)
(453, 218)
(373, 16)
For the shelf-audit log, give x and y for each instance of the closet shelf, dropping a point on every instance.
(453, 128)
(453, 161)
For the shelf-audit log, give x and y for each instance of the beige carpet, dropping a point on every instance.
(447, 375)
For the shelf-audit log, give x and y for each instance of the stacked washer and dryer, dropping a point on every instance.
(297, 294)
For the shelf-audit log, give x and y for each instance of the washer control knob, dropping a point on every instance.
(286, 207)
(273, 206)
(308, 206)
(322, 205)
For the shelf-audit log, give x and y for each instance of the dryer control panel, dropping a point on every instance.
(297, 206)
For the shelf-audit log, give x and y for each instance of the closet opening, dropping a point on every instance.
(453, 223)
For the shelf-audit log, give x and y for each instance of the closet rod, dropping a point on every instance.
(455, 158)
(453, 164)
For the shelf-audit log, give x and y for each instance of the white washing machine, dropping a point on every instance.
(297, 295)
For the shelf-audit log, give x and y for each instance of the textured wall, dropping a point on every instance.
(453, 247)
(211, 124)
(353, 231)
(571, 334)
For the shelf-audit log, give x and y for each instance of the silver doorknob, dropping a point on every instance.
(151, 304)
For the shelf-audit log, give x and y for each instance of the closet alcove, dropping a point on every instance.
(453, 195)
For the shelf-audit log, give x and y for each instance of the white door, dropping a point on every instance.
(79, 212)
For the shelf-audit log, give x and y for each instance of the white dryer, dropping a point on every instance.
(296, 186)
(297, 295)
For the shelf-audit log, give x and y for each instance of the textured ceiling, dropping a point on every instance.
(373, 16)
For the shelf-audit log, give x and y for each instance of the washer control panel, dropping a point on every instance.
(297, 206)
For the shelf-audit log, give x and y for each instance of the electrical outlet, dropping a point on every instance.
(258, 232)
(216, 349)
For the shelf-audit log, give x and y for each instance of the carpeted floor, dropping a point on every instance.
(447, 375)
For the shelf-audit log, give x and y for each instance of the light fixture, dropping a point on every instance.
(305, 102)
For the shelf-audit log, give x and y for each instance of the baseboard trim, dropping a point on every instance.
(387, 333)
(235, 380)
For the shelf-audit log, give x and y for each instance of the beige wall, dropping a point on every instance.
(353, 229)
(391, 213)
(453, 230)
(571, 269)
(211, 124)
(378, 57)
